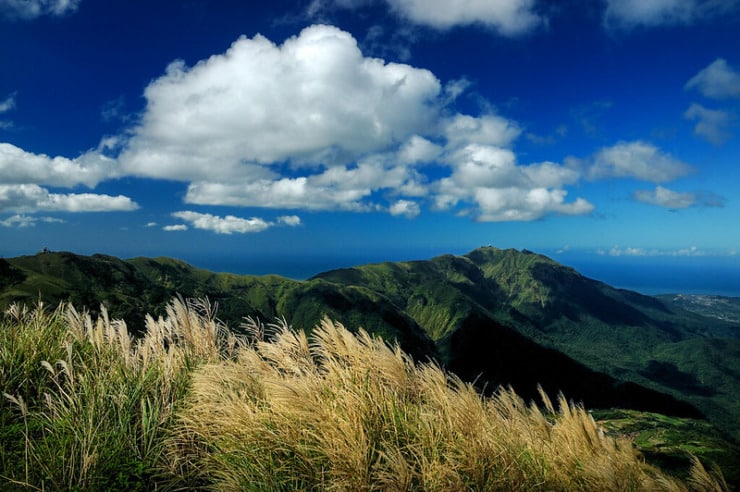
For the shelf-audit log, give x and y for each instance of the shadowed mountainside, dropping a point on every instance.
(634, 338)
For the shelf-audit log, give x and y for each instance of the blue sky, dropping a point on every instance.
(349, 130)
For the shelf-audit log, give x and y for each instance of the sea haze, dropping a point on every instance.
(663, 275)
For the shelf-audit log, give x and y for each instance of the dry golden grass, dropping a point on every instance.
(343, 411)
(88, 407)
(189, 405)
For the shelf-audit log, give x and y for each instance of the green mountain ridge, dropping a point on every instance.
(492, 316)
(628, 336)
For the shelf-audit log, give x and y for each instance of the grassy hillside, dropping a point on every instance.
(492, 316)
(428, 307)
(464, 300)
(131, 287)
(189, 405)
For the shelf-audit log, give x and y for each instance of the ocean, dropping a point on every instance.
(664, 275)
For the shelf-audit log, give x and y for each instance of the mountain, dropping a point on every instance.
(492, 316)
(632, 338)
(132, 288)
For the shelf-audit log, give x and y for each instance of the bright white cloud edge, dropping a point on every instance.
(220, 126)
(229, 224)
(30, 198)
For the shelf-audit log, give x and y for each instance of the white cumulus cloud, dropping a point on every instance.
(289, 220)
(312, 100)
(418, 149)
(20, 167)
(229, 224)
(222, 225)
(29, 198)
(717, 81)
(619, 251)
(711, 124)
(486, 129)
(313, 124)
(508, 17)
(664, 197)
(175, 227)
(406, 208)
(337, 188)
(639, 160)
(521, 204)
(500, 190)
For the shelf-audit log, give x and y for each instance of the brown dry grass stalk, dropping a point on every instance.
(343, 411)
(189, 405)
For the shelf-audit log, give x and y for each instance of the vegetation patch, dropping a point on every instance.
(188, 404)
(671, 442)
(720, 307)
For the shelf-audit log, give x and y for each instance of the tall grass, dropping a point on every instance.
(189, 405)
(87, 407)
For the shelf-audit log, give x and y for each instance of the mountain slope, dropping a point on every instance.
(134, 287)
(720, 307)
(632, 338)
(495, 316)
